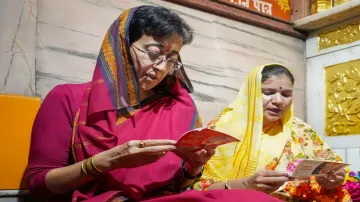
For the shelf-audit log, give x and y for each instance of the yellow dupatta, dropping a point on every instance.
(243, 119)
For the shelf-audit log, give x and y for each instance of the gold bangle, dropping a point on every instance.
(227, 185)
(83, 167)
(93, 165)
(89, 168)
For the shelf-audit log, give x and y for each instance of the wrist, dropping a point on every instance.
(102, 163)
(243, 183)
(192, 172)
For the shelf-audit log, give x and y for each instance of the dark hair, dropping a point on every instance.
(160, 22)
(276, 70)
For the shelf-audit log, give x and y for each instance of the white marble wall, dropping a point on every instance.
(18, 19)
(17, 46)
(348, 147)
(48, 42)
(64, 38)
(70, 32)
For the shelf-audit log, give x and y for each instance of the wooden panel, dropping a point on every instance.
(299, 9)
(16, 120)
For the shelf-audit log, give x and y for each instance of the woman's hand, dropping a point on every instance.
(195, 159)
(132, 154)
(332, 181)
(267, 181)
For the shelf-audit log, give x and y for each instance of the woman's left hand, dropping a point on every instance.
(196, 159)
(332, 180)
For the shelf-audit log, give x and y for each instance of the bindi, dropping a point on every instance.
(280, 87)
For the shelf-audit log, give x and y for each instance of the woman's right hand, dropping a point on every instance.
(132, 154)
(267, 181)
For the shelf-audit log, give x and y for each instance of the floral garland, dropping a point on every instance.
(352, 185)
(312, 191)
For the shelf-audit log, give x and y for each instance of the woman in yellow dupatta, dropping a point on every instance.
(261, 116)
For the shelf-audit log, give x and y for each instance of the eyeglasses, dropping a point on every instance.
(158, 59)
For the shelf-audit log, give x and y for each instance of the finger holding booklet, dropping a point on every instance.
(305, 168)
(198, 138)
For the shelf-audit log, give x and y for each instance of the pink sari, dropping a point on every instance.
(107, 117)
(165, 118)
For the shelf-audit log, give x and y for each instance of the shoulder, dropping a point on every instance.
(300, 127)
(66, 96)
(299, 123)
(68, 90)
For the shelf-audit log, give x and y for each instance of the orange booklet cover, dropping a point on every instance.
(199, 137)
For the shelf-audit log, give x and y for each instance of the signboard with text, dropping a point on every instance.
(276, 8)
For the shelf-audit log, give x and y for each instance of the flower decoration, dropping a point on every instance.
(312, 191)
(352, 185)
(291, 167)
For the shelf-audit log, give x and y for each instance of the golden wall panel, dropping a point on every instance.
(342, 92)
(343, 35)
(338, 2)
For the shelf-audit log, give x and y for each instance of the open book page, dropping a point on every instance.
(304, 168)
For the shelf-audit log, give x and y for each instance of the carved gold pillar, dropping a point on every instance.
(342, 87)
(320, 5)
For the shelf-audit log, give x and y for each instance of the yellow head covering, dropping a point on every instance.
(243, 119)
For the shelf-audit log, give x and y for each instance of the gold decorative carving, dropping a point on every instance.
(342, 114)
(342, 35)
(320, 5)
(284, 5)
(338, 2)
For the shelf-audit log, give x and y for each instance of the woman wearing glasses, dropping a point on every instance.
(113, 139)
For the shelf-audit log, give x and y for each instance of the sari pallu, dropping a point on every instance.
(166, 118)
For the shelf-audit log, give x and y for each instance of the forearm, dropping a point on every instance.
(65, 179)
(232, 184)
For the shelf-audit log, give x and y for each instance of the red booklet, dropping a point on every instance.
(199, 137)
